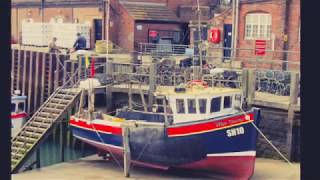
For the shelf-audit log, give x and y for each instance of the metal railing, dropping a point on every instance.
(162, 49)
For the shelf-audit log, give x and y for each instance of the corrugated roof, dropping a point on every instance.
(150, 11)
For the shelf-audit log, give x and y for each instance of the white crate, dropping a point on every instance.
(41, 34)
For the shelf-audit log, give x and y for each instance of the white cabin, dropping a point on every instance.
(200, 103)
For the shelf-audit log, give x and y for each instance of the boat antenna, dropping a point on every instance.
(199, 37)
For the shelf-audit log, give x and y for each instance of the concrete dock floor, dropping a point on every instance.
(95, 168)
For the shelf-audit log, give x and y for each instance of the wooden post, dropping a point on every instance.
(72, 72)
(130, 96)
(126, 149)
(13, 58)
(142, 99)
(251, 86)
(57, 72)
(24, 76)
(30, 81)
(294, 85)
(109, 98)
(65, 75)
(245, 83)
(38, 158)
(43, 76)
(19, 71)
(50, 75)
(79, 67)
(164, 103)
(152, 85)
(62, 141)
(36, 83)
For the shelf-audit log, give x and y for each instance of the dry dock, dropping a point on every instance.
(94, 168)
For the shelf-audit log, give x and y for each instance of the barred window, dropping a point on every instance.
(258, 26)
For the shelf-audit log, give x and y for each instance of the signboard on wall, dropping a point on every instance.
(260, 47)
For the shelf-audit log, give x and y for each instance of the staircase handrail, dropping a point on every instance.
(39, 110)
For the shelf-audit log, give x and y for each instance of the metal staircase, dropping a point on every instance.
(41, 124)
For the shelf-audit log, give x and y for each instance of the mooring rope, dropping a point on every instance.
(118, 163)
(271, 144)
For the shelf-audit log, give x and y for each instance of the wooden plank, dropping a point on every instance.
(36, 83)
(43, 77)
(275, 105)
(30, 81)
(57, 72)
(24, 73)
(19, 71)
(12, 69)
(50, 78)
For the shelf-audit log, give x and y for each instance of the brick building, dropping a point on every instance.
(130, 20)
(275, 21)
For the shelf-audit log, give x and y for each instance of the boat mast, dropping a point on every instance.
(198, 71)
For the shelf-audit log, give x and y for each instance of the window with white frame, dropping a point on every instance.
(258, 26)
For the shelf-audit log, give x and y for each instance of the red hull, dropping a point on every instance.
(233, 167)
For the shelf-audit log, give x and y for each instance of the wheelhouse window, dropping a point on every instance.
(21, 107)
(180, 106)
(215, 104)
(258, 26)
(227, 102)
(192, 106)
(202, 106)
(13, 107)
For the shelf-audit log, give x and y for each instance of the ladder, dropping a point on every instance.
(41, 124)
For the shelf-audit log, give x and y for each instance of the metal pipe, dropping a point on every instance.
(233, 28)
(236, 27)
(42, 10)
(200, 37)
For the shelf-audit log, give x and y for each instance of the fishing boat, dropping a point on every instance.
(18, 112)
(190, 127)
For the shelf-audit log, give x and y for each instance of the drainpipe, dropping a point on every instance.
(42, 10)
(286, 31)
(104, 19)
(236, 28)
(233, 27)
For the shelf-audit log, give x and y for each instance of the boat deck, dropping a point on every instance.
(93, 167)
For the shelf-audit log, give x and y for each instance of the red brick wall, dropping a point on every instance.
(141, 36)
(174, 4)
(277, 10)
(125, 27)
(69, 14)
(293, 26)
